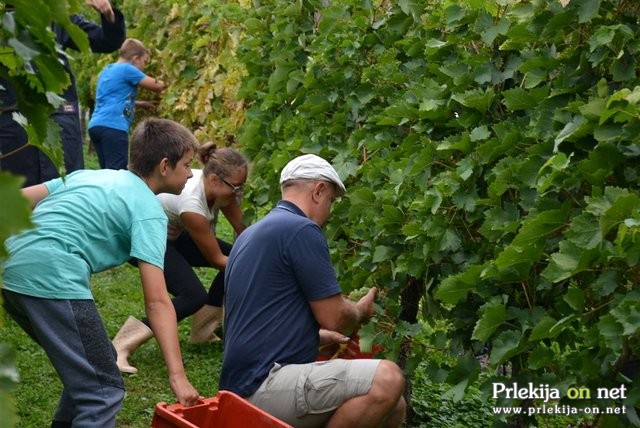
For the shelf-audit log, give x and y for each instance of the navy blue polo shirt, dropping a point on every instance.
(275, 268)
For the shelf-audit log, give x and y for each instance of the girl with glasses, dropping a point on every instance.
(192, 242)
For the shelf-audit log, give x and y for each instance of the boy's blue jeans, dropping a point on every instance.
(73, 336)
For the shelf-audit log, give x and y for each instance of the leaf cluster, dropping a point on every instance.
(192, 46)
(30, 63)
(489, 151)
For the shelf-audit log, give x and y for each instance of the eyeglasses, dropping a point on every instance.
(234, 188)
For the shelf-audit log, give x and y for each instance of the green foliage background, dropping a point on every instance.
(489, 150)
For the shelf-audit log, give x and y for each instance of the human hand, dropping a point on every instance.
(184, 391)
(366, 308)
(334, 345)
(104, 8)
(173, 232)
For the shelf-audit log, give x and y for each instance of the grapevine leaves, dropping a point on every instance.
(493, 156)
(489, 152)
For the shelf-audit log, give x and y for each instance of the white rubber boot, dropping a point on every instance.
(131, 336)
(204, 323)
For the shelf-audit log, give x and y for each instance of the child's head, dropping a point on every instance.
(229, 166)
(134, 51)
(155, 139)
(224, 162)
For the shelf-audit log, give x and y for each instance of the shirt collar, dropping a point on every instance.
(291, 207)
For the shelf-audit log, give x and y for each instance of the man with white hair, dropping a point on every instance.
(283, 303)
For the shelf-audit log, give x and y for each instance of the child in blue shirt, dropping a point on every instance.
(116, 101)
(86, 223)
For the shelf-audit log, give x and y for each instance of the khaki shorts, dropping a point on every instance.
(306, 395)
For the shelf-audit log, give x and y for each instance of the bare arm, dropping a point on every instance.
(162, 318)
(152, 84)
(233, 213)
(198, 228)
(340, 314)
(104, 8)
(149, 105)
(35, 193)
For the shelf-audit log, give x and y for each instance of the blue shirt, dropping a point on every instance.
(90, 222)
(275, 268)
(116, 96)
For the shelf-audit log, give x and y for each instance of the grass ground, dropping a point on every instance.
(118, 294)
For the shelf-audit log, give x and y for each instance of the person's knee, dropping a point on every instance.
(389, 381)
(98, 408)
(391, 375)
(200, 296)
(192, 305)
(113, 398)
(194, 295)
(118, 395)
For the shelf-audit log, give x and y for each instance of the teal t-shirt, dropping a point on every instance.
(91, 221)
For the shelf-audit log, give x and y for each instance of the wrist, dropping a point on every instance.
(177, 375)
(360, 314)
(110, 16)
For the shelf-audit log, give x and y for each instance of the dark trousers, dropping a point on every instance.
(112, 146)
(73, 336)
(188, 293)
(29, 161)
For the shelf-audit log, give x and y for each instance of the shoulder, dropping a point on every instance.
(141, 198)
(109, 69)
(288, 228)
(127, 67)
(295, 219)
(124, 68)
(114, 68)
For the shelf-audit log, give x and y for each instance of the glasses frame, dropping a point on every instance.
(235, 188)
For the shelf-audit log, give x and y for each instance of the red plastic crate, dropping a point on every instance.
(226, 410)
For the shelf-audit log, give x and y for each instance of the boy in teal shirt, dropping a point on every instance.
(91, 221)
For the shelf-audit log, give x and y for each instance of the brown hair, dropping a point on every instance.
(131, 48)
(220, 161)
(155, 139)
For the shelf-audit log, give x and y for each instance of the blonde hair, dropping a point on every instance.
(133, 47)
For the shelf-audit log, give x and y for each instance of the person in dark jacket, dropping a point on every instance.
(29, 161)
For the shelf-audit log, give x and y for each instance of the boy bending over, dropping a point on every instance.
(89, 222)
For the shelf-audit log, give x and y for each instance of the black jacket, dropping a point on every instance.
(103, 38)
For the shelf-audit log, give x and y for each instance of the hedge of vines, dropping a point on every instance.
(490, 151)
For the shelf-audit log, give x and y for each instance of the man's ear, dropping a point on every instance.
(318, 189)
(164, 166)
